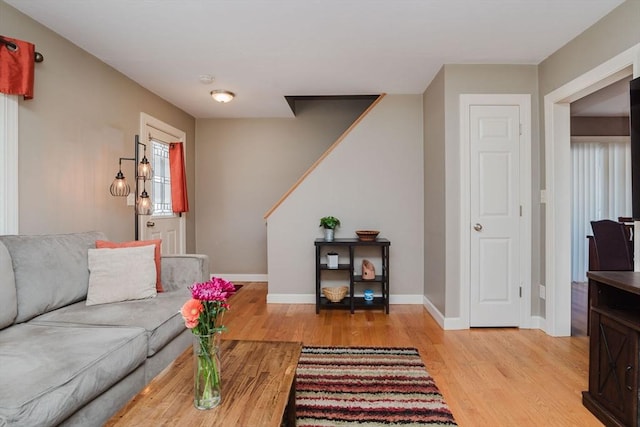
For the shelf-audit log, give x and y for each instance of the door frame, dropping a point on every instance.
(147, 121)
(524, 102)
(557, 178)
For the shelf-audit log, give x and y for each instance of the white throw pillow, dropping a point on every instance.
(121, 274)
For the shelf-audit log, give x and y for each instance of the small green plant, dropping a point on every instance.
(329, 222)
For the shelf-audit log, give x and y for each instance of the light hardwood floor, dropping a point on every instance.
(489, 377)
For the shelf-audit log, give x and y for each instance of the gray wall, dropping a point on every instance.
(371, 180)
(244, 167)
(599, 126)
(83, 117)
(470, 79)
(445, 102)
(612, 35)
(434, 192)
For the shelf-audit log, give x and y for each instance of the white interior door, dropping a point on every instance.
(495, 214)
(162, 223)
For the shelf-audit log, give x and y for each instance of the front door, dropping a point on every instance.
(495, 214)
(162, 223)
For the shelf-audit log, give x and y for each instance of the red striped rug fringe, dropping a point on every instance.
(366, 387)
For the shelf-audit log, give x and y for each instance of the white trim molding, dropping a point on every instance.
(242, 277)
(311, 298)
(291, 298)
(446, 323)
(9, 190)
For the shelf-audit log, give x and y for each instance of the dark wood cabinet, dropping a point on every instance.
(347, 270)
(613, 347)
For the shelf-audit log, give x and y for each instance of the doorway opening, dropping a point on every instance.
(600, 180)
(558, 184)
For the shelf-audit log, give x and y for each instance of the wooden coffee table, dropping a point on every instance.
(258, 389)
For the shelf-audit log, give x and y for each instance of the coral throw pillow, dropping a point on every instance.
(103, 244)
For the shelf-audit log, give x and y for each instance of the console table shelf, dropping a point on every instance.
(351, 301)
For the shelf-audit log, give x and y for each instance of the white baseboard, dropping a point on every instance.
(405, 299)
(291, 298)
(242, 277)
(538, 322)
(446, 323)
(433, 311)
(311, 299)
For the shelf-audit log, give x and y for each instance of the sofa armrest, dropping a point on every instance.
(182, 271)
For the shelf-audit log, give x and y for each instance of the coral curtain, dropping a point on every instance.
(16, 67)
(179, 199)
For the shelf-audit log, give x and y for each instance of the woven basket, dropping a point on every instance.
(367, 235)
(336, 294)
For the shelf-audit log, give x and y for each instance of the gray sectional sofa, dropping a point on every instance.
(65, 363)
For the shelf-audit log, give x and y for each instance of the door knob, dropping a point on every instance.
(477, 227)
(150, 223)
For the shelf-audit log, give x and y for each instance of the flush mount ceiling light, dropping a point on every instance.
(222, 96)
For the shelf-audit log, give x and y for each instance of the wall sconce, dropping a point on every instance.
(121, 188)
(222, 96)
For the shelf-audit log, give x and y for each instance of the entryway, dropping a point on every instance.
(163, 223)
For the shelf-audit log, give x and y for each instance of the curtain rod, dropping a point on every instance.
(12, 46)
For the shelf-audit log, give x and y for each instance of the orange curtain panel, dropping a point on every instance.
(179, 198)
(16, 67)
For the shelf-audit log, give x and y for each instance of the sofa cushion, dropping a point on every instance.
(100, 244)
(50, 270)
(121, 274)
(8, 301)
(159, 316)
(50, 372)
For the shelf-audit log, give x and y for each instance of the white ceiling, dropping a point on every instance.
(264, 50)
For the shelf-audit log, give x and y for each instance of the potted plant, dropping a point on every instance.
(329, 223)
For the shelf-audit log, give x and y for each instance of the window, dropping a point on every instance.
(161, 192)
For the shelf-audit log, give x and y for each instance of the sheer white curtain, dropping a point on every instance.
(8, 164)
(600, 189)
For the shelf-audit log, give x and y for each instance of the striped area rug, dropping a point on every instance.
(366, 387)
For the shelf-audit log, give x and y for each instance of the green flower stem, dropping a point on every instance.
(208, 374)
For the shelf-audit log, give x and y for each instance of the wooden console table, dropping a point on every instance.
(613, 347)
(258, 390)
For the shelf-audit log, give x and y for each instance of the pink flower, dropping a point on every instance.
(190, 324)
(203, 313)
(216, 289)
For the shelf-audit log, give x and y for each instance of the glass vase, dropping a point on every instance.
(206, 370)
